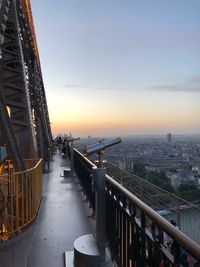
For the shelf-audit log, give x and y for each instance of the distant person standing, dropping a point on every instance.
(64, 147)
(59, 143)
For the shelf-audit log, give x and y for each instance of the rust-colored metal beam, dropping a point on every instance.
(21, 82)
(26, 7)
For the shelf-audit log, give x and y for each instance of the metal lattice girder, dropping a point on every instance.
(15, 85)
(21, 82)
(37, 92)
(7, 135)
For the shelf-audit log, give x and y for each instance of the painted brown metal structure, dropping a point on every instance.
(24, 119)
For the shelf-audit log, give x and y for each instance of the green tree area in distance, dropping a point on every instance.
(185, 191)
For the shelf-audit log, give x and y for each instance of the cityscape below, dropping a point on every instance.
(123, 188)
(169, 161)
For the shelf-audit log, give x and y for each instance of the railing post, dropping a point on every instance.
(72, 157)
(124, 232)
(143, 239)
(178, 214)
(99, 175)
(17, 201)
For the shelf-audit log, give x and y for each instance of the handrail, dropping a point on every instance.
(91, 164)
(177, 235)
(160, 200)
(25, 171)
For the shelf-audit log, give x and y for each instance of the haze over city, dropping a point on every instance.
(115, 67)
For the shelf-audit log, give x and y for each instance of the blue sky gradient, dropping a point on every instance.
(127, 66)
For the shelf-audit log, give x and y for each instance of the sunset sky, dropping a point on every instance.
(116, 67)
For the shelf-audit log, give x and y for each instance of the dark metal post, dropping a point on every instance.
(99, 175)
(71, 139)
(72, 157)
(178, 214)
(143, 240)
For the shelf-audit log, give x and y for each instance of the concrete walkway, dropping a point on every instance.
(62, 218)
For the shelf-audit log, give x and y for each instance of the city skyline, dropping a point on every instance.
(113, 67)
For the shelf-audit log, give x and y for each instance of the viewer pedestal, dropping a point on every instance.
(85, 254)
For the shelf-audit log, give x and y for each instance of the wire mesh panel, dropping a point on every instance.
(168, 205)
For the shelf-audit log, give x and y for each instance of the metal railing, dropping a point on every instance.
(135, 232)
(20, 196)
(167, 204)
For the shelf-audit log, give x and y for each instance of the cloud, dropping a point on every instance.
(75, 86)
(177, 88)
(192, 85)
(195, 80)
(99, 88)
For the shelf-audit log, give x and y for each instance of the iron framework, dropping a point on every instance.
(24, 119)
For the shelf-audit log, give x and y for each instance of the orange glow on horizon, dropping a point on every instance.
(121, 127)
(83, 116)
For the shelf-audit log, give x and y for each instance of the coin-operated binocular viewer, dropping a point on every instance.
(100, 147)
(99, 182)
(89, 250)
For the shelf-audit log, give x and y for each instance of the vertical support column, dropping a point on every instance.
(178, 214)
(72, 157)
(22, 198)
(99, 175)
(143, 239)
(17, 200)
(124, 233)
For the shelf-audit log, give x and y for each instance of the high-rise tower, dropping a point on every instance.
(169, 137)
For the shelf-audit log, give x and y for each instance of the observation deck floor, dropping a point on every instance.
(62, 218)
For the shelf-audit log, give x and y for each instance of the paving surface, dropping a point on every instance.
(63, 217)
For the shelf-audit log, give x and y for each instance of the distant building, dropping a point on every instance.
(175, 181)
(169, 137)
(121, 164)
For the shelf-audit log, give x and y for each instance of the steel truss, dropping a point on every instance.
(24, 120)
